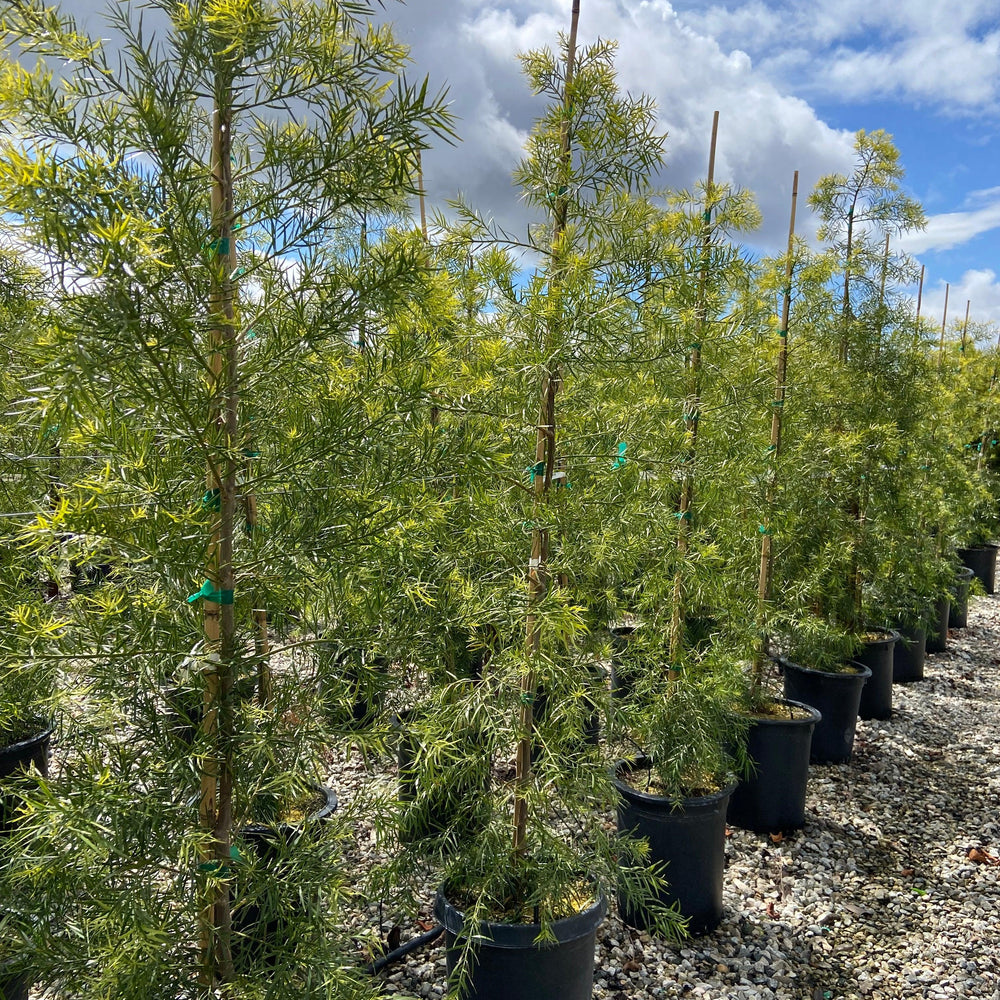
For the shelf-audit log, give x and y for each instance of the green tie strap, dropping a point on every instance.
(209, 592)
(621, 460)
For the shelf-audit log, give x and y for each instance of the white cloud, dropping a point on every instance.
(765, 133)
(947, 55)
(980, 288)
(952, 229)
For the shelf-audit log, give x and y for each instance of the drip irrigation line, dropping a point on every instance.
(403, 950)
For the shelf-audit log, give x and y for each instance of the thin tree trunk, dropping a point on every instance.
(692, 415)
(545, 441)
(774, 450)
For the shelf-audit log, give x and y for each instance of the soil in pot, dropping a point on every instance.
(20, 753)
(836, 695)
(958, 615)
(688, 835)
(457, 805)
(877, 655)
(937, 634)
(982, 560)
(263, 912)
(773, 797)
(509, 965)
(908, 655)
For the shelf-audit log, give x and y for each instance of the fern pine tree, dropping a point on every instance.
(549, 341)
(858, 214)
(186, 188)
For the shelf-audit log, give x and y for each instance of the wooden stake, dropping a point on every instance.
(920, 292)
(777, 413)
(545, 455)
(965, 325)
(215, 805)
(944, 320)
(420, 185)
(692, 407)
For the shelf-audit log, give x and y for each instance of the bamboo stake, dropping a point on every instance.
(420, 185)
(944, 320)
(545, 440)
(691, 417)
(215, 806)
(362, 257)
(920, 292)
(774, 450)
(965, 325)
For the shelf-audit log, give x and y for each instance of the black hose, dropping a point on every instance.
(403, 950)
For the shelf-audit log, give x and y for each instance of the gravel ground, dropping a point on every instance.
(891, 891)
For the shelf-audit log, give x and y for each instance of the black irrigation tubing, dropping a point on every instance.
(403, 950)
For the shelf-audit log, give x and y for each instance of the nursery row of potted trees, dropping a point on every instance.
(539, 513)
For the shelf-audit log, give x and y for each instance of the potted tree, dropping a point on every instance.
(852, 415)
(178, 301)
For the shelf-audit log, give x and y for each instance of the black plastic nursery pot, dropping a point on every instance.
(621, 682)
(982, 560)
(19, 758)
(13, 987)
(908, 655)
(354, 682)
(937, 634)
(259, 925)
(445, 806)
(508, 964)
(876, 695)
(773, 797)
(958, 614)
(836, 695)
(689, 836)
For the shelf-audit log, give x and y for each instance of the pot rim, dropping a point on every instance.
(980, 547)
(964, 573)
(522, 936)
(29, 741)
(815, 715)
(290, 830)
(864, 673)
(688, 802)
(889, 635)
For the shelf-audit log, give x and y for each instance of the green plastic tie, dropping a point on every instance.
(221, 870)
(682, 515)
(693, 416)
(621, 460)
(249, 453)
(695, 345)
(777, 402)
(538, 469)
(782, 333)
(220, 246)
(558, 194)
(211, 594)
(212, 500)
(763, 530)
(770, 448)
(527, 698)
(706, 216)
(787, 291)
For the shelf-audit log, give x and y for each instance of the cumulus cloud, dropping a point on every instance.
(951, 229)
(765, 133)
(980, 288)
(945, 55)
